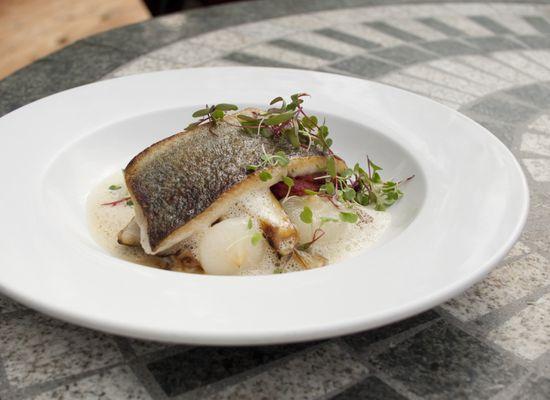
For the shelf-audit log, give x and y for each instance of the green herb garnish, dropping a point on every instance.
(265, 176)
(331, 167)
(256, 237)
(360, 186)
(324, 220)
(289, 121)
(213, 114)
(350, 217)
(270, 160)
(115, 187)
(306, 215)
(289, 182)
(366, 187)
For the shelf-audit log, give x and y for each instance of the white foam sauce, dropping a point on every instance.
(347, 239)
(105, 221)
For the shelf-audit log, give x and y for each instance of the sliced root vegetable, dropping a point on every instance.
(231, 246)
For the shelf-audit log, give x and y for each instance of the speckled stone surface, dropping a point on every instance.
(307, 375)
(36, 349)
(489, 60)
(115, 383)
(443, 361)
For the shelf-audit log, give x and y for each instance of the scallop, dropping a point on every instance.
(231, 246)
(322, 210)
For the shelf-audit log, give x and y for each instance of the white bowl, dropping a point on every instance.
(459, 216)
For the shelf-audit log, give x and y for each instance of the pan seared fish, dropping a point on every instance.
(187, 182)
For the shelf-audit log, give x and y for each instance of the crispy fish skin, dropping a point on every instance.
(188, 180)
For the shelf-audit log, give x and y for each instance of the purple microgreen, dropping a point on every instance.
(290, 122)
(317, 234)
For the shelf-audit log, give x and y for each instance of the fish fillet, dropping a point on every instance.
(187, 182)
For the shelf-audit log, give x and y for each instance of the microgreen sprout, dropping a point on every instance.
(306, 215)
(317, 234)
(348, 217)
(289, 182)
(125, 200)
(360, 186)
(265, 176)
(211, 114)
(256, 237)
(288, 120)
(324, 220)
(270, 160)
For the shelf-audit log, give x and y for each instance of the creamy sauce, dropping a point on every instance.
(106, 221)
(341, 240)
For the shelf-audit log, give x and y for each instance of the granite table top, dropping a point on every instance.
(489, 60)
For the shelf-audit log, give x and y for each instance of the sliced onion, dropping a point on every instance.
(321, 208)
(227, 247)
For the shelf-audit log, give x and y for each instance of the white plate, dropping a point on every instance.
(460, 215)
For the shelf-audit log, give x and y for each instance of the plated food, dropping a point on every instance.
(446, 233)
(242, 192)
